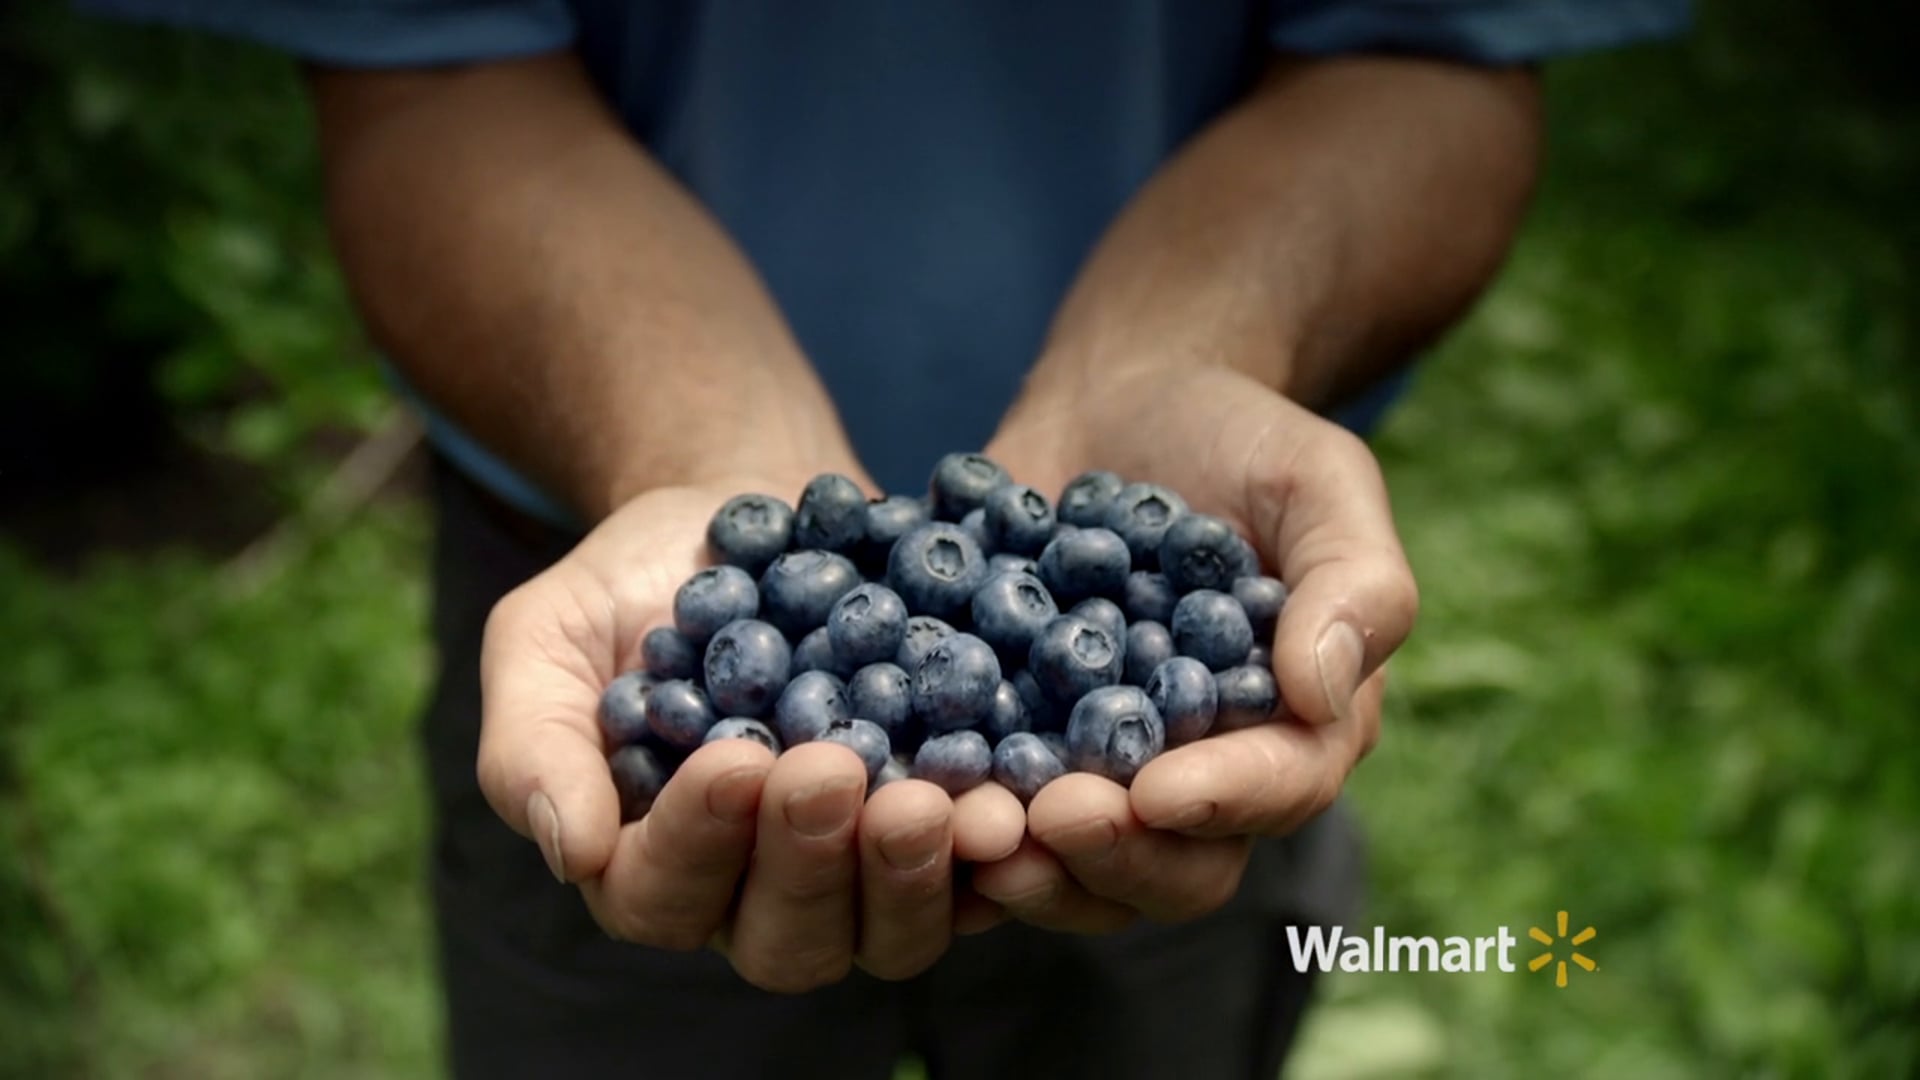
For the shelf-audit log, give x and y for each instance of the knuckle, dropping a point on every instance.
(901, 964)
(793, 970)
(674, 932)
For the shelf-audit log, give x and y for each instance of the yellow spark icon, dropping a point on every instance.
(1545, 958)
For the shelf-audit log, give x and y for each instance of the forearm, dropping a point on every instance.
(1311, 238)
(553, 290)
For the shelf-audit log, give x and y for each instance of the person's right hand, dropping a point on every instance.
(776, 862)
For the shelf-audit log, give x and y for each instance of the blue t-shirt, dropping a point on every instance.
(917, 182)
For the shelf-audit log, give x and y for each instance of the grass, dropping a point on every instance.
(1663, 492)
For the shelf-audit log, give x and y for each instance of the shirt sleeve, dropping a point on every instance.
(1477, 31)
(367, 33)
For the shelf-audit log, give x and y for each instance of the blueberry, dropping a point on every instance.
(815, 653)
(748, 664)
(1104, 614)
(750, 531)
(1086, 498)
(638, 775)
(1063, 529)
(808, 704)
(1041, 713)
(1009, 611)
(961, 483)
(958, 761)
(1085, 563)
(882, 693)
(1247, 696)
(1149, 645)
(975, 525)
(1008, 563)
(1113, 732)
(867, 626)
(801, 587)
(888, 520)
(954, 685)
(1006, 715)
(1071, 657)
(623, 708)
(1187, 697)
(1018, 519)
(1260, 656)
(1055, 741)
(1212, 628)
(1203, 552)
(679, 714)
(711, 599)
(741, 727)
(864, 738)
(1023, 764)
(1140, 513)
(896, 768)
(1262, 597)
(923, 633)
(667, 654)
(1149, 596)
(936, 569)
(831, 515)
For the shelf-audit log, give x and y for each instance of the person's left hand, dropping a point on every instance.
(1311, 498)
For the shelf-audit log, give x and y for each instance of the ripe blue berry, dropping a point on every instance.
(1104, 614)
(750, 531)
(1085, 499)
(1149, 596)
(1085, 563)
(1042, 715)
(1007, 563)
(975, 525)
(1006, 715)
(1260, 656)
(895, 768)
(711, 599)
(1203, 552)
(815, 653)
(936, 569)
(679, 714)
(1009, 611)
(883, 693)
(741, 727)
(748, 664)
(1247, 696)
(1023, 764)
(923, 633)
(867, 626)
(623, 708)
(808, 704)
(831, 515)
(1262, 597)
(1055, 741)
(958, 761)
(1148, 646)
(1113, 732)
(1141, 513)
(1071, 657)
(1018, 519)
(1185, 693)
(887, 520)
(638, 775)
(801, 587)
(668, 654)
(954, 686)
(961, 482)
(1212, 628)
(864, 738)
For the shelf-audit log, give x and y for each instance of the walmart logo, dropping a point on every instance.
(1325, 948)
(1573, 953)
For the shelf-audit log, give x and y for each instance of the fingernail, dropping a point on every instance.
(914, 847)
(1086, 841)
(544, 822)
(1339, 654)
(1191, 816)
(735, 796)
(826, 808)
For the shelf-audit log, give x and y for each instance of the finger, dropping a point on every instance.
(1268, 779)
(988, 824)
(674, 872)
(1088, 824)
(1320, 512)
(541, 764)
(906, 880)
(795, 926)
(1033, 887)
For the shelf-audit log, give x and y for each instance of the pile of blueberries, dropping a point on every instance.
(979, 632)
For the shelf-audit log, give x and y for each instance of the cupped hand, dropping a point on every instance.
(1310, 497)
(783, 864)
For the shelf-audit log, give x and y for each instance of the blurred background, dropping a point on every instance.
(1663, 492)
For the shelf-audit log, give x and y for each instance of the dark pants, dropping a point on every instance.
(535, 989)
